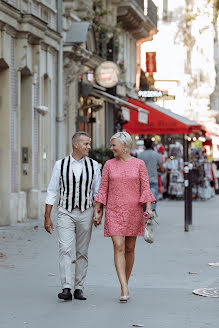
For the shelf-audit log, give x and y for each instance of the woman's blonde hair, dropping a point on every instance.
(123, 138)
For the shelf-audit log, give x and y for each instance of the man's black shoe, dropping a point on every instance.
(65, 295)
(78, 295)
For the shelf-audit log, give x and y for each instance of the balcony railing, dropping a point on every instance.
(140, 3)
(137, 16)
(152, 12)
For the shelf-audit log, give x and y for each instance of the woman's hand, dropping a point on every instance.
(148, 215)
(149, 211)
(148, 208)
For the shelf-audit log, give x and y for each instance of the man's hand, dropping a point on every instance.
(48, 225)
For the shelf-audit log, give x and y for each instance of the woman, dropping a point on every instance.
(124, 190)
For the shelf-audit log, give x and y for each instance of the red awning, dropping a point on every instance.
(160, 121)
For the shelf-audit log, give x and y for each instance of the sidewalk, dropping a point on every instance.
(164, 276)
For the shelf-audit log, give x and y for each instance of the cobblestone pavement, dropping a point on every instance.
(164, 276)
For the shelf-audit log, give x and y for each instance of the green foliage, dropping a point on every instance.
(101, 155)
(103, 30)
(215, 4)
(189, 17)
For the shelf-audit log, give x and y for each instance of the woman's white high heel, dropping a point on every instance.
(124, 299)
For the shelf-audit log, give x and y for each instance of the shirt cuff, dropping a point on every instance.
(50, 199)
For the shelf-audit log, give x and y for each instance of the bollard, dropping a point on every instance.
(186, 197)
(190, 193)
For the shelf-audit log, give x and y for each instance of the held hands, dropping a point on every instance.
(48, 225)
(98, 214)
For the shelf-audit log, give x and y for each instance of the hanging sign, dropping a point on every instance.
(107, 74)
(150, 93)
(143, 116)
(151, 62)
(126, 113)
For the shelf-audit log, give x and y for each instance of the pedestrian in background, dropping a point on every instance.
(124, 190)
(162, 176)
(153, 162)
(77, 178)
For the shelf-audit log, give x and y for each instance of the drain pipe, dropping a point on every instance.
(60, 142)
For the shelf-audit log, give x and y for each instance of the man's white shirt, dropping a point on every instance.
(53, 186)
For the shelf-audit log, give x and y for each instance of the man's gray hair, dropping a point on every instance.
(124, 138)
(77, 135)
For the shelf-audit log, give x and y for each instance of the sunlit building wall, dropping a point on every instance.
(184, 53)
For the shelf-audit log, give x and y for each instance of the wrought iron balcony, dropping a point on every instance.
(152, 12)
(140, 3)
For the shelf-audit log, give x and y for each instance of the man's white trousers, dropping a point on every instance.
(72, 226)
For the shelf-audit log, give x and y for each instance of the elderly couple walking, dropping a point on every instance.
(123, 190)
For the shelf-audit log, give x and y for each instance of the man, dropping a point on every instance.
(77, 179)
(153, 162)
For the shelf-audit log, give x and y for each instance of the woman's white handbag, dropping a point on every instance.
(149, 233)
(149, 230)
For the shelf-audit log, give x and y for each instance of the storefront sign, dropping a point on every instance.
(155, 94)
(150, 93)
(142, 116)
(126, 113)
(107, 74)
(121, 90)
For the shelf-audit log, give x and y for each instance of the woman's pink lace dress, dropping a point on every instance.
(124, 189)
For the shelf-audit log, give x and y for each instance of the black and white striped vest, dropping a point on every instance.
(73, 192)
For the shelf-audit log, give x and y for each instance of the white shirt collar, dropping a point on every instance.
(74, 160)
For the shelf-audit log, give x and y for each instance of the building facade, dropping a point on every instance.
(185, 59)
(28, 77)
(95, 32)
(49, 52)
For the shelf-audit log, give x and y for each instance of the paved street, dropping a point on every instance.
(164, 276)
